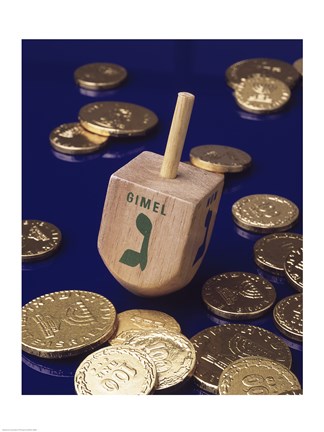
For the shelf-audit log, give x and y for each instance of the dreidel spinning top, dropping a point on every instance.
(159, 215)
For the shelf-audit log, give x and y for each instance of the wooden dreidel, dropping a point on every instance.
(159, 215)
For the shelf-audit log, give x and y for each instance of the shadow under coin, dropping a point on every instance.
(258, 321)
(298, 346)
(246, 234)
(271, 277)
(118, 153)
(39, 264)
(257, 117)
(61, 368)
(97, 93)
(77, 158)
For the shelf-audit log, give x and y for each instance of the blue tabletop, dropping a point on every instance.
(69, 191)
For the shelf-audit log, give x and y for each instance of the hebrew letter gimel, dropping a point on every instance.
(133, 258)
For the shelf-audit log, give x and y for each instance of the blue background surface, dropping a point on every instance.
(69, 191)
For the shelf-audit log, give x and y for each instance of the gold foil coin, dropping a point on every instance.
(100, 76)
(261, 94)
(298, 65)
(264, 213)
(216, 347)
(220, 159)
(256, 376)
(173, 354)
(272, 68)
(292, 392)
(66, 323)
(117, 119)
(39, 240)
(135, 320)
(116, 371)
(238, 295)
(293, 267)
(72, 138)
(270, 252)
(288, 316)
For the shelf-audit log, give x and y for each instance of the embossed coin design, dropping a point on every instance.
(117, 119)
(220, 159)
(292, 392)
(261, 95)
(100, 76)
(273, 68)
(298, 65)
(216, 347)
(116, 371)
(293, 267)
(66, 323)
(288, 316)
(72, 138)
(238, 295)
(256, 376)
(39, 239)
(135, 320)
(264, 213)
(173, 354)
(271, 251)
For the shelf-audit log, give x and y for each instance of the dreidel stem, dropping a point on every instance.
(177, 135)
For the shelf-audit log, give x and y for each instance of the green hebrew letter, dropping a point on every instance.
(133, 258)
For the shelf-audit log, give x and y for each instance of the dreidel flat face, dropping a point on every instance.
(154, 231)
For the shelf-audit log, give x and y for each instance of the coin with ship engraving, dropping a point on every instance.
(173, 354)
(273, 68)
(257, 376)
(261, 94)
(39, 240)
(288, 316)
(135, 320)
(293, 268)
(72, 138)
(114, 371)
(117, 119)
(220, 159)
(265, 213)
(271, 251)
(216, 347)
(298, 65)
(100, 76)
(238, 295)
(66, 323)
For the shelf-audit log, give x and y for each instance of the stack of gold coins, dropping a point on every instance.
(100, 76)
(262, 85)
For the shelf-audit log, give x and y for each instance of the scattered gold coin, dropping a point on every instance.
(39, 240)
(116, 371)
(117, 119)
(220, 159)
(264, 213)
(173, 354)
(288, 316)
(256, 376)
(216, 347)
(261, 94)
(72, 138)
(271, 251)
(66, 323)
(298, 65)
(238, 295)
(100, 76)
(135, 320)
(293, 267)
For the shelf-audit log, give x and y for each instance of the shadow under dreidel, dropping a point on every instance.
(77, 158)
(61, 368)
(97, 93)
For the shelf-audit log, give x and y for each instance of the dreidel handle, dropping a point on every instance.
(177, 135)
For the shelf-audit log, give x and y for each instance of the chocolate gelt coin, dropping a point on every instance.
(261, 94)
(134, 320)
(292, 392)
(116, 371)
(100, 76)
(256, 376)
(173, 354)
(216, 347)
(220, 159)
(39, 240)
(265, 213)
(298, 65)
(288, 316)
(272, 68)
(66, 323)
(271, 251)
(72, 138)
(238, 295)
(293, 268)
(117, 119)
